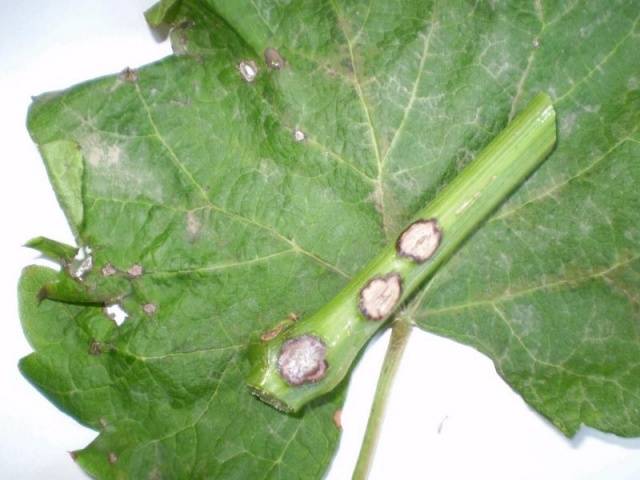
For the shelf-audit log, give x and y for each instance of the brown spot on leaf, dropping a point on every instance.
(149, 308)
(112, 458)
(108, 270)
(135, 271)
(95, 348)
(273, 333)
(337, 418)
(273, 59)
(129, 75)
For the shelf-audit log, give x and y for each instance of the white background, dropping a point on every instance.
(450, 416)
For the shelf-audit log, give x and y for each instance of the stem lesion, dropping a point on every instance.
(346, 323)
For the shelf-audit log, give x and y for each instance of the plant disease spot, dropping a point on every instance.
(248, 69)
(112, 458)
(298, 135)
(301, 360)
(337, 418)
(149, 308)
(129, 75)
(273, 59)
(135, 271)
(380, 295)
(193, 225)
(108, 270)
(420, 240)
(81, 264)
(95, 348)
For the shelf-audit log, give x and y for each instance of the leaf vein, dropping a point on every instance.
(223, 211)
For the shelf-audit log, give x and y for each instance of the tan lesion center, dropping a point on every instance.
(379, 297)
(420, 240)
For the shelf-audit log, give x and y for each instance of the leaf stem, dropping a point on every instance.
(298, 361)
(400, 332)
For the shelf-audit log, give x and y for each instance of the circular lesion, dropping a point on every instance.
(380, 296)
(302, 360)
(420, 240)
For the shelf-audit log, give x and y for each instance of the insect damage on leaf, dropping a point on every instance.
(302, 360)
(420, 240)
(380, 295)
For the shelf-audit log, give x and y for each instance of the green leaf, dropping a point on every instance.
(65, 168)
(56, 251)
(162, 12)
(189, 187)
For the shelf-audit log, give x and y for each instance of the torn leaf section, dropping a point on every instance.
(63, 160)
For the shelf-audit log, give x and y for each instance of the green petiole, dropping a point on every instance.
(299, 361)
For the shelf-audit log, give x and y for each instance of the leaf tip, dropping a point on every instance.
(163, 12)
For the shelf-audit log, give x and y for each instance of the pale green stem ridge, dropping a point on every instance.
(330, 339)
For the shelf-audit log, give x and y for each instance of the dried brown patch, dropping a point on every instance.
(135, 270)
(337, 418)
(108, 270)
(95, 348)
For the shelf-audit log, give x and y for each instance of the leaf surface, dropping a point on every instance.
(189, 187)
